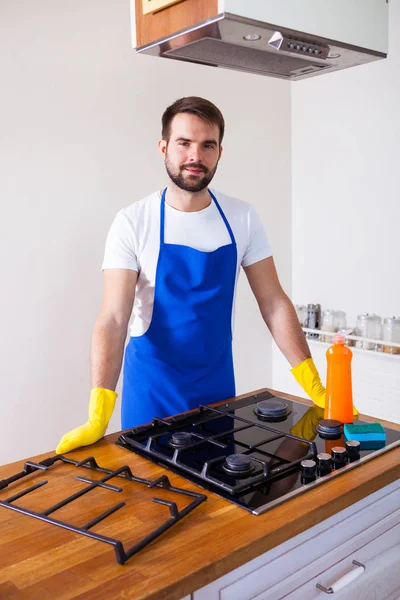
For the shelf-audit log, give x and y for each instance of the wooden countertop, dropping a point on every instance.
(39, 560)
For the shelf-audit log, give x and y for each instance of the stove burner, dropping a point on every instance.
(238, 464)
(272, 410)
(330, 429)
(181, 439)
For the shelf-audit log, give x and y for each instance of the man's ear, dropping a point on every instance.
(162, 147)
(220, 152)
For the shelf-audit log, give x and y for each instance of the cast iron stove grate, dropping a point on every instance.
(124, 472)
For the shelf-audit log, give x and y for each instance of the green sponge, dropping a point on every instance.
(370, 435)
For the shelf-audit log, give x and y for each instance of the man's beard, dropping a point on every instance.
(192, 183)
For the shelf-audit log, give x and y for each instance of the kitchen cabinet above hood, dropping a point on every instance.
(289, 39)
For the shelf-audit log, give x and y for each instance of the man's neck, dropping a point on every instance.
(186, 201)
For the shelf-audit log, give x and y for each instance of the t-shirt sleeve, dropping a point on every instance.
(120, 245)
(258, 246)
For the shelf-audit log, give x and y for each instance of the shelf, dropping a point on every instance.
(375, 353)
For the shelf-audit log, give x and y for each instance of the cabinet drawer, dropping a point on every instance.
(379, 581)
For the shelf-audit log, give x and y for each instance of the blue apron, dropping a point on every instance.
(185, 357)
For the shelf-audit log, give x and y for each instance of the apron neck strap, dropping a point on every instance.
(162, 216)
(225, 220)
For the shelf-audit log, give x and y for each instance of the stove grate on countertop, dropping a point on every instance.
(122, 554)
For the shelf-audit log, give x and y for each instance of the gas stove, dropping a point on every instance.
(256, 452)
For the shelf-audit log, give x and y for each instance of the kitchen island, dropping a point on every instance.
(39, 560)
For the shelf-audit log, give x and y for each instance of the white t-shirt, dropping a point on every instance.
(133, 241)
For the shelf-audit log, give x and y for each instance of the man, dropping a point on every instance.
(177, 254)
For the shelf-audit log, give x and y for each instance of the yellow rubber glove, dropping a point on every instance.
(101, 407)
(307, 376)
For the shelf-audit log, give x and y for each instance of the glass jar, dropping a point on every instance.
(312, 320)
(391, 333)
(327, 324)
(369, 326)
(377, 332)
(365, 328)
(339, 319)
(301, 311)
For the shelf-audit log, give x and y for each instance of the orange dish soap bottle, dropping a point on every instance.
(339, 395)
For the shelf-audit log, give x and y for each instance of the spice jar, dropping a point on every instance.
(312, 320)
(327, 324)
(319, 316)
(369, 326)
(339, 319)
(377, 331)
(301, 311)
(391, 333)
(365, 328)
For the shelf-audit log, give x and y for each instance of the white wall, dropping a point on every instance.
(346, 209)
(79, 121)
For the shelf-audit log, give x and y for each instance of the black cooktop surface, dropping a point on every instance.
(256, 452)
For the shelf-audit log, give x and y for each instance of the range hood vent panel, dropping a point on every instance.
(237, 42)
(224, 54)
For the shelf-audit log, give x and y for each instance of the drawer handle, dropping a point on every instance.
(345, 580)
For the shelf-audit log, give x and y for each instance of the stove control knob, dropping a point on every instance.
(339, 456)
(308, 470)
(324, 463)
(353, 450)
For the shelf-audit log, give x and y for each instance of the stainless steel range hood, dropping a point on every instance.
(248, 40)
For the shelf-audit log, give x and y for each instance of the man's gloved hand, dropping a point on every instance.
(307, 376)
(101, 407)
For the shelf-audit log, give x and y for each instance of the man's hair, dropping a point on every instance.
(204, 109)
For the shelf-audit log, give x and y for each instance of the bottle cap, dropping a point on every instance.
(339, 339)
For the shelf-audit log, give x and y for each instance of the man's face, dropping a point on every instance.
(192, 152)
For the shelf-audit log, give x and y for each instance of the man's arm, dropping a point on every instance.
(278, 311)
(108, 340)
(110, 329)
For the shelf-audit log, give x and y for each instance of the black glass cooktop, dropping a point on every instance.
(256, 452)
